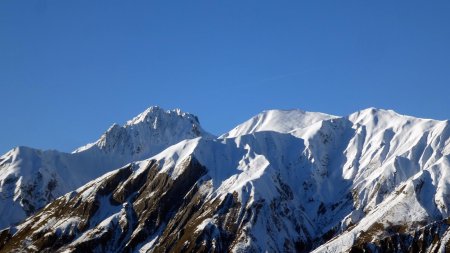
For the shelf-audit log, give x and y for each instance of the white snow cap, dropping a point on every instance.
(142, 137)
(154, 126)
(282, 121)
(156, 111)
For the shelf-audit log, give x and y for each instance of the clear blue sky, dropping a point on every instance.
(69, 69)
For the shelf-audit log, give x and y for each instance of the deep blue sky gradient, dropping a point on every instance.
(69, 69)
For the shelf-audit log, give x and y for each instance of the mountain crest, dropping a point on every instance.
(31, 178)
(148, 132)
(283, 181)
(155, 113)
(282, 121)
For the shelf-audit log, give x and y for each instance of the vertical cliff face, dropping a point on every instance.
(284, 181)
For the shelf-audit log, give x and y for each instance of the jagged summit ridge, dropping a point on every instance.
(155, 112)
(152, 129)
(282, 181)
(30, 178)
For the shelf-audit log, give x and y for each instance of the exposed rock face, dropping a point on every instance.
(145, 209)
(373, 181)
(31, 178)
(433, 237)
(132, 207)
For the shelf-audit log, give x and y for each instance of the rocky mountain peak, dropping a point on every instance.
(283, 181)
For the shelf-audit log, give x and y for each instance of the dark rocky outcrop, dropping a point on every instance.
(428, 238)
(151, 205)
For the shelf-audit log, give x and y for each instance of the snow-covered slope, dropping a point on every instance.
(148, 133)
(30, 178)
(282, 121)
(334, 184)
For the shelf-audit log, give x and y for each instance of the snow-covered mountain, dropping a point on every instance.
(282, 121)
(31, 178)
(284, 181)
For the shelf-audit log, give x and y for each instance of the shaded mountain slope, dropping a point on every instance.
(365, 181)
(30, 178)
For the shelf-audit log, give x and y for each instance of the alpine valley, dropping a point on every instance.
(283, 181)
